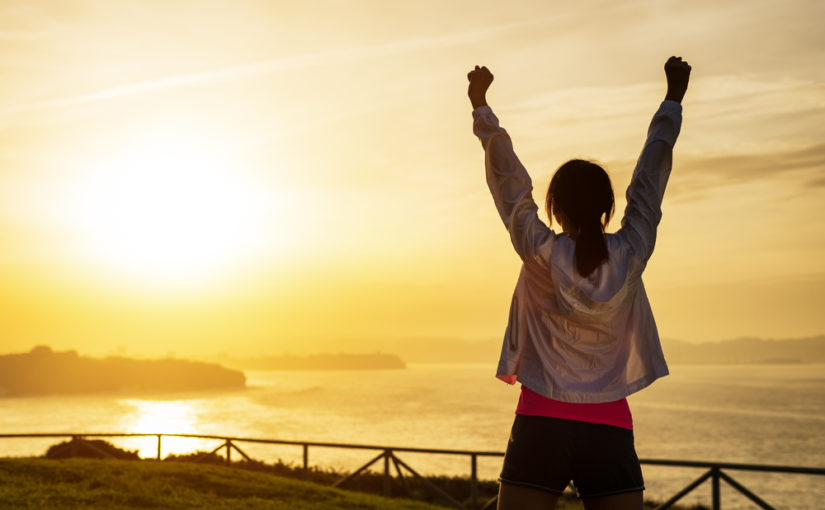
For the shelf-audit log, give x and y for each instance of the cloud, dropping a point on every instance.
(734, 168)
(728, 101)
(279, 65)
(7, 35)
(735, 129)
(694, 174)
(817, 182)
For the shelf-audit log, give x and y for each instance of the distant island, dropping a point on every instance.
(340, 361)
(740, 350)
(747, 350)
(43, 371)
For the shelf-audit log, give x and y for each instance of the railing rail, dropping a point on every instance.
(388, 454)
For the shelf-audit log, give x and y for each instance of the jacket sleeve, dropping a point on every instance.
(647, 186)
(510, 186)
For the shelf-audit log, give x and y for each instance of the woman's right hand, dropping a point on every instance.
(678, 74)
(480, 79)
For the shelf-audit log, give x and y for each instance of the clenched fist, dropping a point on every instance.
(678, 74)
(480, 79)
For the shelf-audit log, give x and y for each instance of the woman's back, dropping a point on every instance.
(571, 337)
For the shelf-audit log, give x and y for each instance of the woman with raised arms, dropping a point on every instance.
(581, 335)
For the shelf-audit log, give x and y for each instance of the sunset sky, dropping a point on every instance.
(266, 177)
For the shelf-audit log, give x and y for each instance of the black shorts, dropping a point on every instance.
(547, 453)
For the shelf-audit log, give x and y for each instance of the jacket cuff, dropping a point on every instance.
(669, 104)
(481, 110)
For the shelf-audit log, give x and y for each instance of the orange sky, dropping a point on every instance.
(266, 176)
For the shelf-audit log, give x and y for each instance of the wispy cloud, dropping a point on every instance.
(740, 167)
(735, 128)
(13, 35)
(801, 168)
(278, 65)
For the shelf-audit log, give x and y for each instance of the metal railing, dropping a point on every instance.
(715, 473)
(715, 470)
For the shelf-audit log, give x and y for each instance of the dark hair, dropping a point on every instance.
(580, 195)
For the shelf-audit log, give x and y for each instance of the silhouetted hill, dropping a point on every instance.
(340, 361)
(43, 371)
(741, 350)
(747, 350)
(446, 350)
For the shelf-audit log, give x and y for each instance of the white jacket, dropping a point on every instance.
(568, 337)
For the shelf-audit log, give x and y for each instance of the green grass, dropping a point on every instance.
(117, 484)
(38, 483)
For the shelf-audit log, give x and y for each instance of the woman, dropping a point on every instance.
(581, 335)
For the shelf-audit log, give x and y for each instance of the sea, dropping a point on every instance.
(755, 414)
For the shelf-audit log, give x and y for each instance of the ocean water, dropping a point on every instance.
(762, 414)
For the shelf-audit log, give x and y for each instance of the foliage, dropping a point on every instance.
(89, 448)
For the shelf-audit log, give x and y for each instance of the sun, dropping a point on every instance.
(171, 207)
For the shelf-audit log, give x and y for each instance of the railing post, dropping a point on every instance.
(717, 503)
(473, 481)
(228, 452)
(306, 461)
(159, 446)
(387, 477)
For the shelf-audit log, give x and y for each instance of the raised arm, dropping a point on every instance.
(507, 178)
(647, 186)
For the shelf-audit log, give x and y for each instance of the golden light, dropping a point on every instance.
(170, 207)
(172, 417)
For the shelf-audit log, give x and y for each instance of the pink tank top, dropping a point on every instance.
(615, 413)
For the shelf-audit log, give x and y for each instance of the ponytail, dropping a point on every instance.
(591, 248)
(580, 193)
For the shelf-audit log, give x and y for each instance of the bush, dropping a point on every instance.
(89, 448)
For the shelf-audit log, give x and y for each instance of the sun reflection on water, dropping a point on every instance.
(162, 417)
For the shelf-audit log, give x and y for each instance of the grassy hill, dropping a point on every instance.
(73, 484)
(119, 484)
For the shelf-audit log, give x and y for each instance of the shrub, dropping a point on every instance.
(89, 448)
